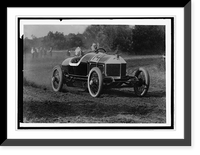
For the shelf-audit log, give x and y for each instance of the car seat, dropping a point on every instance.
(75, 59)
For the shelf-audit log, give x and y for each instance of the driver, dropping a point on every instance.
(94, 47)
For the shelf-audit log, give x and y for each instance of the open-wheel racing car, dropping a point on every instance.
(96, 71)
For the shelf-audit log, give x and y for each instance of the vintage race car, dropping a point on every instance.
(96, 71)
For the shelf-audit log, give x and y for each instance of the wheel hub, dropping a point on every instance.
(91, 82)
(140, 82)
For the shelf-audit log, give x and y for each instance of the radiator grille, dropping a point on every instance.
(113, 69)
(116, 70)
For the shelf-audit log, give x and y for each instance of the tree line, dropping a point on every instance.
(138, 39)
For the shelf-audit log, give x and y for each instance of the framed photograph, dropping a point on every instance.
(98, 88)
(78, 78)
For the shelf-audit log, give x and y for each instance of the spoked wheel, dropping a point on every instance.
(95, 81)
(142, 85)
(57, 79)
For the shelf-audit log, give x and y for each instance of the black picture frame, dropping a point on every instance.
(125, 142)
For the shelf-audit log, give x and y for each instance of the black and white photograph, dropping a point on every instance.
(98, 76)
(91, 72)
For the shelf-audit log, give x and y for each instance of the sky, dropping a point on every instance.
(42, 30)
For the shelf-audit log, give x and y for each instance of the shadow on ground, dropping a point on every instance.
(114, 92)
(128, 93)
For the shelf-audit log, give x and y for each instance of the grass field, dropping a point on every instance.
(74, 105)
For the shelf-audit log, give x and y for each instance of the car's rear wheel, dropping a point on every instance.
(142, 84)
(95, 82)
(57, 79)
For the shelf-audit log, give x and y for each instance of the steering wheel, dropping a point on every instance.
(100, 49)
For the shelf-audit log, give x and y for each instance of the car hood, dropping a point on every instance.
(98, 58)
(103, 58)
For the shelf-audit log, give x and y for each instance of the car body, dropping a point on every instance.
(98, 70)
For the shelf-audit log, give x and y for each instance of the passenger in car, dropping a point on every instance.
(78, 55)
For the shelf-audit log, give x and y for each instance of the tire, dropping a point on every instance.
(95, 82)
(143, 81)
(57, 79)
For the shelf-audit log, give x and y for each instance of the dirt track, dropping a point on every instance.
(75, 105)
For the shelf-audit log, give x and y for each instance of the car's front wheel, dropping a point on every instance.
(95, 82)
(57, 79)
(143, 81)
